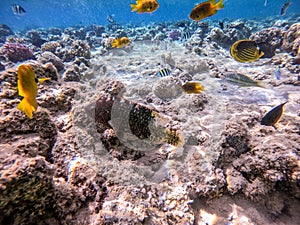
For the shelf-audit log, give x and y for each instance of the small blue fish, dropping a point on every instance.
(277, 73)
(163, 72)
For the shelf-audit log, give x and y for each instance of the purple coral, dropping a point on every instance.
(174, 35)
(16, 52)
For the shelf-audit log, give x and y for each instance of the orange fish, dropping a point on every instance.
(144, 6)
(120, 42)
(206, 9)
(27, 87)
(192, 87)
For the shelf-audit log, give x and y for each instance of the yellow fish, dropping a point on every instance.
(120, 42)
(206, 9)
(245, 51)
(192, 87)
(27, 88)
(144, 6)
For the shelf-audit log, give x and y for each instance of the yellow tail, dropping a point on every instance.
(220, 5)
(115, 44)
(28, 106)
(41, 80)
(133, 7)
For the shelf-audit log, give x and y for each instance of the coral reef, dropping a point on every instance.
(16, 52)
(112, 143)
(4, 32)
(269, 40)
(46, 57)
(174, 35)
(291, 40)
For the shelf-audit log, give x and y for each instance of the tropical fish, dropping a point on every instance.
(245, 51)
(206, 9)
(273, 116)
(221, 24)
(266, 2)
(163, 72)
(284, 8)
(110, 18)
(277, 73)
(241, 80)
(27, 87)
(120, 42)
(185, 36)
(192, 87)
(17, 9)
(144, 6)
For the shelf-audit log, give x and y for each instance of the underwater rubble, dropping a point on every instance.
(112, 143)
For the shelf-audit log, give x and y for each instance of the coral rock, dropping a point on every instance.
(17, 52)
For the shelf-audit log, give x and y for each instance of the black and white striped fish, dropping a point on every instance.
(17, 9)
(185, 36)
(163, 72)
(285, 7)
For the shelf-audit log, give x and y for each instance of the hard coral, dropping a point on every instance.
(16, 52)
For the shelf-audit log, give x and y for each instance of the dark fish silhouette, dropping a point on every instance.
(221, 24)
(17, 9)
(110, 19)
(273, 116)
(284, 8)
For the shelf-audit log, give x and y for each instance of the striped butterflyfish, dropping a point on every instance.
(163, 72)
(245, 51)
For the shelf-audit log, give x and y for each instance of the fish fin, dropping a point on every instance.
(41, 80)
(133, 7)
(261, 53)
(27, 107)
(220, 5)
(114, 44)
(261, 84)
(174, 138)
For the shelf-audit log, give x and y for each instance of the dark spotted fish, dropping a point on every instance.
(273, 116)
(163, 72)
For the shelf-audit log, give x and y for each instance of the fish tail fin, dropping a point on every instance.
(261, 53)
(114, 44)
(220, 5)
(261, 84)
(27, 107)
(198, 88)
(174, 138)
(133, 7)
(41, 80)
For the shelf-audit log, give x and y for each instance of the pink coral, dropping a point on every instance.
(16, 52)
(174, 34)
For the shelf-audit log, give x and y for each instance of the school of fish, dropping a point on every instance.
(243, 51)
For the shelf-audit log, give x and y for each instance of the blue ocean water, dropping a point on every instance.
(60, 13)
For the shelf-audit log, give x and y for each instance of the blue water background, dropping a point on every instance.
(53, 13)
